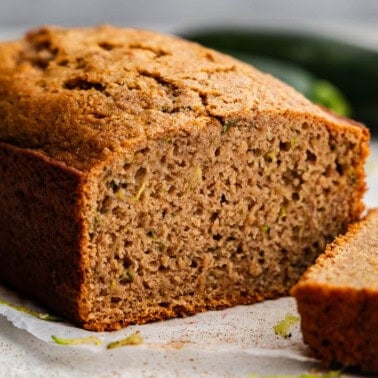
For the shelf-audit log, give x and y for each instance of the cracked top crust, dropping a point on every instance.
(77, 94)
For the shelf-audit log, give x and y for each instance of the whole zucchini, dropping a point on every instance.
(353, 69)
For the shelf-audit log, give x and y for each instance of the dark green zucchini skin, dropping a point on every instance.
(353, 69)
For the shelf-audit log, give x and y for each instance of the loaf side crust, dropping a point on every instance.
(42, 230)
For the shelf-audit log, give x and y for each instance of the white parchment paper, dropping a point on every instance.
(242, 328)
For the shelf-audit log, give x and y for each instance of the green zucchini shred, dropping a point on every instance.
(133, 339)
(141, 189)
(77, 341)
(265, 229)
(283, 327)
(270, 156)
(26, 310)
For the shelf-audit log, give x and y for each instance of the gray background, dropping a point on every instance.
(70, 12)
(171, 14)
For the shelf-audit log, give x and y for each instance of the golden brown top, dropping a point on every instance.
(78, 93)
(350, 261)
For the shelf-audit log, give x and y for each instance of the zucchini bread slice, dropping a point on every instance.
(338, 299)
(145, 177)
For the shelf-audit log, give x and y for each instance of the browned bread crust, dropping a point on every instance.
(145, 177)
(338, 299)
(108, 88)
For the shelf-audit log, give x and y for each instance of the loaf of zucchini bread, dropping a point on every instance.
(145, 177)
